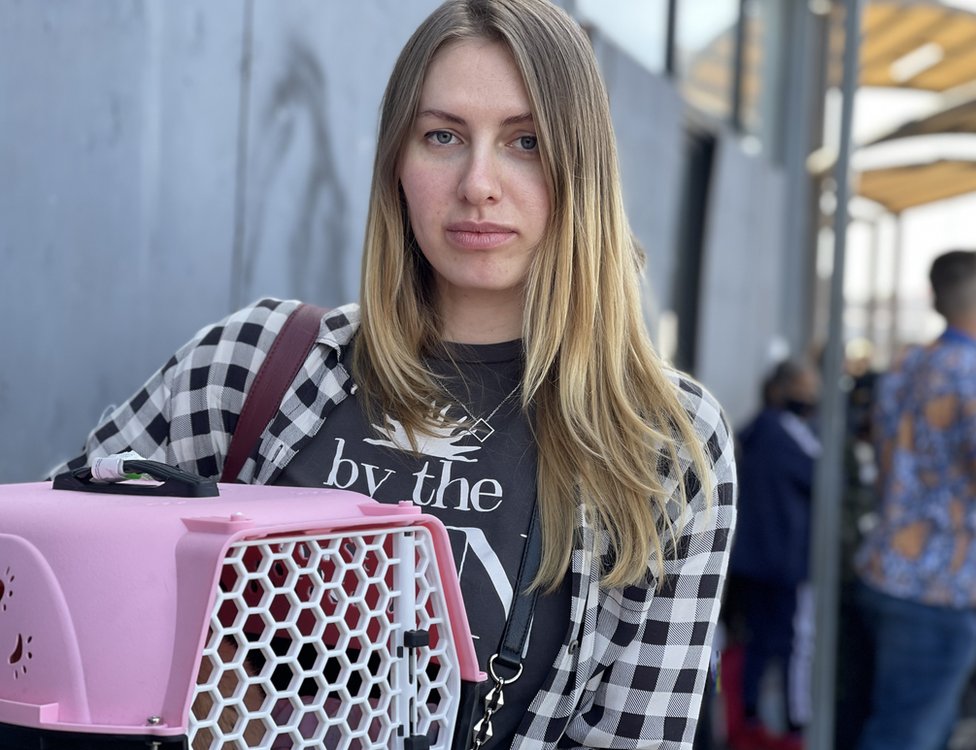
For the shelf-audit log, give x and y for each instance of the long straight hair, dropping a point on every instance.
(607, 418)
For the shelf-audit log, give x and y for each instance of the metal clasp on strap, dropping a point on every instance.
(494, 700)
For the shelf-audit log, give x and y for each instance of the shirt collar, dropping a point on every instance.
(956, 336)
(339, 326)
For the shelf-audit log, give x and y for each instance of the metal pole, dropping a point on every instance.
(237, 269)
(828, 479)
(738, 68)
(874, 250)
(894, 337)
(670, 42)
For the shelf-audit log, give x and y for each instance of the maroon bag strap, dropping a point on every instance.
(277, 372)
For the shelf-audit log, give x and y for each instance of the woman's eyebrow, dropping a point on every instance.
(440, 114)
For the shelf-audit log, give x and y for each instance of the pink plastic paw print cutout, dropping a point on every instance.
(21, 655)
(6, 589)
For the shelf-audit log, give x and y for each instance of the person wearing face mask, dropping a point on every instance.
(777, 452)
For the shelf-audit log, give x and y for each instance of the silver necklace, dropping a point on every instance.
(480, 428)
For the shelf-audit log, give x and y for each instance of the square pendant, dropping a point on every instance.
(481, 430)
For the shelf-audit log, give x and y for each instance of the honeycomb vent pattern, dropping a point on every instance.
(306, 646)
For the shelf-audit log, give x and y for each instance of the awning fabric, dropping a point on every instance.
(891, 30)
(904, 187)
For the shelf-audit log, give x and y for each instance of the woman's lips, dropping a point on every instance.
(479, 236)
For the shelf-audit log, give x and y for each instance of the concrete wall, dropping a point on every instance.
(164, 163)
(648, 116)
(741, 292)
(740, 331)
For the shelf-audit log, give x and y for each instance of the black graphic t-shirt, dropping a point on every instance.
(477, 474)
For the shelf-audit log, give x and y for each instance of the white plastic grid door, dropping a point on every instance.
(336, 640)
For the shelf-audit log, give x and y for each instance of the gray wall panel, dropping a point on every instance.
(191, 97)
(126, 211)
(100, 107)
(739, 324)
(318, 76)
(648, 116)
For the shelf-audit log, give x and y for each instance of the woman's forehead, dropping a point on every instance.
(474, 74)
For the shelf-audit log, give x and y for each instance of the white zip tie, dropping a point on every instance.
(109, 468)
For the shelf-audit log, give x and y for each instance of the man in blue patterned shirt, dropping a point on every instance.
(918, 565)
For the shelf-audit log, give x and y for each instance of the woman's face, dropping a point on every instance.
(472, 177)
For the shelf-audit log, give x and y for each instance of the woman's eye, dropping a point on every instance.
(528, 142)
(441, 137)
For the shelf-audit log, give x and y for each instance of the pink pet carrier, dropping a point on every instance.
(266, 617)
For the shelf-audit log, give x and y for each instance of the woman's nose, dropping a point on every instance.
(480, 181)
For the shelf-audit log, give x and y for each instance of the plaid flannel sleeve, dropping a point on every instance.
(658, 642)
(186, 411)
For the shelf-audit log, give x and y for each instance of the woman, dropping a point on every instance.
(497, 359)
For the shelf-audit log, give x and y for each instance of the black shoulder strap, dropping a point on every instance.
(277, 372)
(520, 617)
(505, 667)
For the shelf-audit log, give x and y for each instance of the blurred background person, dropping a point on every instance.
(918, 564)
(770, 557)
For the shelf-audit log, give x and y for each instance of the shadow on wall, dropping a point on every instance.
(294, 192)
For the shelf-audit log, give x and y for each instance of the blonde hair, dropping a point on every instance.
(606, 414)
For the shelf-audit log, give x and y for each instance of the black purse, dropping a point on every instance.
(481, 700)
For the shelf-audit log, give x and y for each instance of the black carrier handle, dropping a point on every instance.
(174, 482)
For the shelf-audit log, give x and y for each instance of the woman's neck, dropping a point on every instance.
(477, 319)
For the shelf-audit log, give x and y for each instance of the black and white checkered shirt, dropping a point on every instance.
(633, 665)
